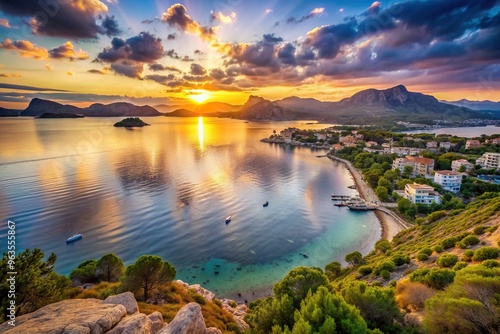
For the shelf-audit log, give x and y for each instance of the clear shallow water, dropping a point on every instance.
(166, 190)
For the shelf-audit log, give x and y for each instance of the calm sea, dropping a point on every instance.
(467, 132)
(167, 189)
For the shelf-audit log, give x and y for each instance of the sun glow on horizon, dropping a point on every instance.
(199, 95)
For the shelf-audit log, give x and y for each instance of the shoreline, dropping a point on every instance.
(390, 225)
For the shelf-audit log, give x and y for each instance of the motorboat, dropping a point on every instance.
(74, 238)
(266, 203)
(228, 219)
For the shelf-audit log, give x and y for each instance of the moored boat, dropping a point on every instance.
(228, 219)
(266, 203)
(74, 238)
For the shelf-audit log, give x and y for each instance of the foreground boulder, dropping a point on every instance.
(188, 320)
(126, 299)
(75, 316)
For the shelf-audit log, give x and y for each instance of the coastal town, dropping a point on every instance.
(413, 175)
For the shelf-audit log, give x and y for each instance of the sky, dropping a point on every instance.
(165, 52)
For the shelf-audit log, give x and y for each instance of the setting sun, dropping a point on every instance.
(199, 96)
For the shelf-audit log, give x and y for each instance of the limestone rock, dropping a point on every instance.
(137, 323)
(239, 312)
(73, 316)
(208, 295)
(188, 320)
(156, 321)
(126, 299)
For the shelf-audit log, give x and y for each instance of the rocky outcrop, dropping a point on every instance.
(259, 109)
(188, 320)
(75, 316)
(126, 299)
(238, 312)
(208, 295)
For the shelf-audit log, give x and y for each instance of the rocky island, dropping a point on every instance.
(131, 122)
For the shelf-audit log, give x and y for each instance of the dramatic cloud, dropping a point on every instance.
(219, 16)
(160, 67)
(5, 23)
(109, 27)
(66, 51)
(312, 13)
(176, 16)
(127, 57)
(25, 49)
(69, 18)
(161, 79)
(29, 50)
(197, 69)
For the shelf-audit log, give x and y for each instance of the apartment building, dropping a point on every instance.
(449, 180)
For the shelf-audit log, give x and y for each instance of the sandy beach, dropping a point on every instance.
(390, 222)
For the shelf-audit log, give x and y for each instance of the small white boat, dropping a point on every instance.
(228, 219)
(74, 238)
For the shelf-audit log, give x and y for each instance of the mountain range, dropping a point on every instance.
(371, 106)
(476, 105)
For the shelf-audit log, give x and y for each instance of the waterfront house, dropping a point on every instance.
(421, 193)
(456, 164)
(472, 143)
(449, 180)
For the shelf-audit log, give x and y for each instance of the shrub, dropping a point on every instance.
(438, 248)
(492, 228)
(469, 253)
(365, 270)
(419, 221)
(434, 278)
(385, 274)
(422, 257)
(460, 265)
(490, 264)
(436, 216)
(485, 253)
(447, 260)
(469, 240)
(354, 258)
(383, 245)
(386, 265)
(400, 259)
(412, 295)
(426, 251)
(478, 230)
(449, 242)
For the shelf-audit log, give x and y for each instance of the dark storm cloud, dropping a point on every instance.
(161, 79)
(69, 19)
(270, 38)
(160, 67)
(110, 26)
(127, 57)
(197, 69)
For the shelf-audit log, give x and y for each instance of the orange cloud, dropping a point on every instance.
(29, 50)
(25, 49)
(5, 23)
(66, 51)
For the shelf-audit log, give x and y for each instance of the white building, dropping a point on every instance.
(421, 193)
(445, 144)
(456, 164)
(431, 145)
(449, 180)
(489, 160)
